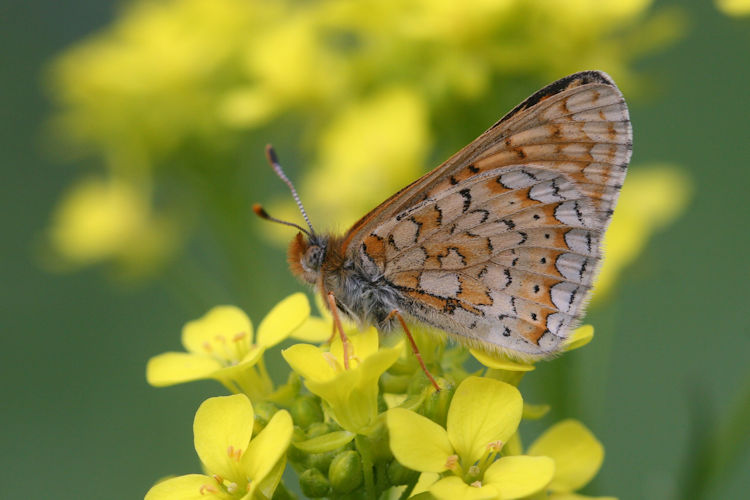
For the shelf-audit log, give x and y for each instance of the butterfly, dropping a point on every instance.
(498, 246)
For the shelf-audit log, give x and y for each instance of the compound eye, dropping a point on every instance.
(313, 258)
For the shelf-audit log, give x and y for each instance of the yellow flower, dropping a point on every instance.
(155, 77)
(651, 198)
(578, 455)
(483, 415)
(238, 465)
(109, 219)
(221, 346)
(734, 7)
(351, 395)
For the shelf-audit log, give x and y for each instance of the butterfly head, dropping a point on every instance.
(306, 255)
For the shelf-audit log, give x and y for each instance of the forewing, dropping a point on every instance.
(500, 245)
(578, 124)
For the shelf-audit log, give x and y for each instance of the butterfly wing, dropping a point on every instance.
(500, 244)
(588, 96)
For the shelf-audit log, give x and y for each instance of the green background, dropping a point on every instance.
(79, 421)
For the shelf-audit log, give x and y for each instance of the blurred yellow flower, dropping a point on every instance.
(734, 7)
(153, 78)
(102, 219)
(651, 198)
(578, 455)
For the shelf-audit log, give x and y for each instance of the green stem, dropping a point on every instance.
(365, 451)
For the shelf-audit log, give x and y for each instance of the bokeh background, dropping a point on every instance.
(132, 149)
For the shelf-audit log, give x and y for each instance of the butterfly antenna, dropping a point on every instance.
(260, 212)
(273, 160)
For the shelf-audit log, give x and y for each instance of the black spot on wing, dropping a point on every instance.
(579, 214)
(466, 193)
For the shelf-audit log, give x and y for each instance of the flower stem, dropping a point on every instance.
(409, 488)
(365, 451)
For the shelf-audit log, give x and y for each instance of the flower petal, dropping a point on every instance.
(576, 452)
(237, 370)
(519, 476)
(500, 362)
(216, 329)
(189, 487)
(417, 442)
(309, 361)
(361, 345)
(579, 337)
(268, 485)
(314, 329)
(482, 411)
(172, 368)
(453, 487)
(268, 447)
(222, 429)
(426, 479)
(283, 319)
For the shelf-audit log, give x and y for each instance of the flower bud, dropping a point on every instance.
(321, 461)
(313, 483)
(345, 473)
(436, 405)
(306, 410)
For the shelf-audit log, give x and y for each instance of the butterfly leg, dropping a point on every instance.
(337, 324)
(414, 347)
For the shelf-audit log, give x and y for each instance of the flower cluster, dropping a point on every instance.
(174, 86)
(365, 422)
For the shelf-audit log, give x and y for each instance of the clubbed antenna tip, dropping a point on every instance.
(261, 212)
(271, 155)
